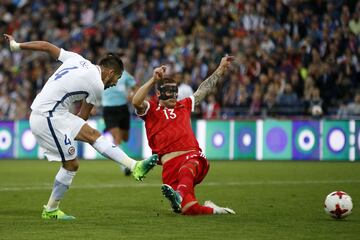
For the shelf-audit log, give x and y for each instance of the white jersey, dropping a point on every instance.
(76, 79)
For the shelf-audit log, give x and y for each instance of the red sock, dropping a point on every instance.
(198, 209)
(186, 177)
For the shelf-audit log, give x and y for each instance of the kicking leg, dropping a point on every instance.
(109, 150)
(138, 168)
(119, 136)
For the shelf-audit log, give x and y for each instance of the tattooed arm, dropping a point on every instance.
(209, 84)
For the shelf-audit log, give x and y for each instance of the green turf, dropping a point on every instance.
(273, 200)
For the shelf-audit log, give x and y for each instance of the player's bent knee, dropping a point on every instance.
(88, 134)
(185, 168)
(71, 165)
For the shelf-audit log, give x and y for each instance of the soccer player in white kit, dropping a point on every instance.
(57, 130)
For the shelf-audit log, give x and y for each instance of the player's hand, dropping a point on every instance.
(159, 73)
(225, 63)
(8, 37)
(14, 46)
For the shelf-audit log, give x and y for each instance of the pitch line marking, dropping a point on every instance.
(144, 185)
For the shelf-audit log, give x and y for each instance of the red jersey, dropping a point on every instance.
(169, 129)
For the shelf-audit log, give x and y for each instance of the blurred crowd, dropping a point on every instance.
(293, 57)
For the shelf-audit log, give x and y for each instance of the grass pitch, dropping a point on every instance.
(273, 200)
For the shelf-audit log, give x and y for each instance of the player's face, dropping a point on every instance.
(111, 78)
(168, 95)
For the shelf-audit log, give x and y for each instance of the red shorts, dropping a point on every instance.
(171, 168)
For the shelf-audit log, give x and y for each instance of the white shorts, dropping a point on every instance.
(56, 134)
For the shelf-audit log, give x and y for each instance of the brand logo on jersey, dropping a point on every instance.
(84, 64)
(71, 150)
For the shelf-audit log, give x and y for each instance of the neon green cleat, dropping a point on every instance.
(173, 196)
(56, 215)
(144, 166)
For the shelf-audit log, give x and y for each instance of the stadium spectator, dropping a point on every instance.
(270, 101)
(211, 108)
(57, 130)
(169, 132)
(256, 102)
(231, 92)
(242, 105)
(354, 23)
(288, 99)
(185, 89)
(315, 104)
(353, 108)
(300, 37)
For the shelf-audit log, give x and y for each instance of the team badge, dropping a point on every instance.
(71, 150)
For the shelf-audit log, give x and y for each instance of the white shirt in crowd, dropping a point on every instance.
(184, 91)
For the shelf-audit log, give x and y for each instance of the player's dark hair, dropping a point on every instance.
(113, 61)
(164, 81)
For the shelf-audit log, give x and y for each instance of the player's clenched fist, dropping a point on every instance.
(14, 46)
(8, 37)
(159, 73)
(226, 62)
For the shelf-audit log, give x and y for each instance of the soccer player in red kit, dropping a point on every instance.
(169, 133)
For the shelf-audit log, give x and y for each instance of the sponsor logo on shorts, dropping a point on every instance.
(71, 150)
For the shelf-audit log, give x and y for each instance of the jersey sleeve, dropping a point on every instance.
(148, 106)
(189, 103)
(94, 98)
(65, 55)
(130, 81)
(95, 88)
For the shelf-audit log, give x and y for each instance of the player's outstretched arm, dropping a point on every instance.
(209, 83)
(139, 98)
(42, 46)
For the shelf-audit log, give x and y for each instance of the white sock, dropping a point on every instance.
(109, 150)
(62, 183)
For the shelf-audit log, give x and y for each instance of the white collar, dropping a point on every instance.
(98, 67)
